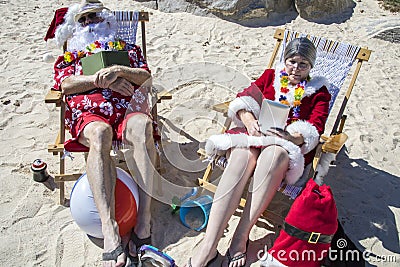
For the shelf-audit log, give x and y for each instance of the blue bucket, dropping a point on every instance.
(194, 213)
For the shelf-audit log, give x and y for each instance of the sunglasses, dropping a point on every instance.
(88, 16)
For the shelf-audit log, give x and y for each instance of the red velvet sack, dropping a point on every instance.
(313, 211)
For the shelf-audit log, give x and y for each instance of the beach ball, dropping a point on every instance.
(84, 210)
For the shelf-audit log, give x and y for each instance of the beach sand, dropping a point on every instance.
(203, 61)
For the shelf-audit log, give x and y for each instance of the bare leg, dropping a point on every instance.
(140, 158)
(272, 165)
(226, 200)
(102, 175)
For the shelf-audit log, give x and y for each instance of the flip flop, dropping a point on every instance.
(238, 257)
(138, 242)
(208, 263)
(113, 255)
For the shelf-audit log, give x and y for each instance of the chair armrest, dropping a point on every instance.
(163, 95)
(54, 97)
(334, 143)
(222, 107)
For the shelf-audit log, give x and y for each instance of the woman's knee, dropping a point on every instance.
(276, 155)
(245, 157)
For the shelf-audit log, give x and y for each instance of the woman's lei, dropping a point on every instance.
(298, 94)
(92, 48)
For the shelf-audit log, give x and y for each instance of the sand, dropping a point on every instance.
(202, 61)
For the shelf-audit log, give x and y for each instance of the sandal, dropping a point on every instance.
(238, 257)
(113, 255)
(208, 263)
(138, 242)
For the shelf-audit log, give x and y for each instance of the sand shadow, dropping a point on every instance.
(353, 182)
(170, 229)
(364, 196)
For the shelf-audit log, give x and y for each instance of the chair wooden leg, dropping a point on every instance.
(159, 189)
(61, 184)
(315, 162)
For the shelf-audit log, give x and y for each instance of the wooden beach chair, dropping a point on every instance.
(128, 22)
(335, 62)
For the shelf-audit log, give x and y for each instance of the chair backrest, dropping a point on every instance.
(334, 62)
(128, 24)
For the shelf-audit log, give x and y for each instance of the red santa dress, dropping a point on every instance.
(310, 122)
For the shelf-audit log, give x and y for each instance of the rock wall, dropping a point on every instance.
(316, 9)
(250, 9)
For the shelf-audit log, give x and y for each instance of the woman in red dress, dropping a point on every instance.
(279, 155)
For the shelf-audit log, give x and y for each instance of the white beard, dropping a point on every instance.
(103, 32)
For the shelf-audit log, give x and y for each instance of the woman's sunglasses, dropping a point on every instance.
(88, 16)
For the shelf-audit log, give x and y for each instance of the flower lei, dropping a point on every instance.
(298, 94)
(92, 48)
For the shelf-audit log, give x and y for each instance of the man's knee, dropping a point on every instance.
(100, 135)
(139, 128)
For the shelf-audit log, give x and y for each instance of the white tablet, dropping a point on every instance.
(273, 114)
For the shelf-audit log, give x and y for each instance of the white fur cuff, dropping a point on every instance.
(245, 102)
(309, 133)
(227, 141)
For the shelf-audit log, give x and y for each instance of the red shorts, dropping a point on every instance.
(73, 145)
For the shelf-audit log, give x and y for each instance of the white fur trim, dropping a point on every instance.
(277, 82)
(267, 260)
(66, 29)
(244, 102)
(48, 58)
(323, 167)
(309, 133)
(315, 84)
(226, 141)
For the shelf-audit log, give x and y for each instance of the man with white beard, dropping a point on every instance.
(96, 106)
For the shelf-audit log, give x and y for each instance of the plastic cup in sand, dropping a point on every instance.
(194, 213)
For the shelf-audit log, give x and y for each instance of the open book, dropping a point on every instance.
(91, 64)
(273, 114)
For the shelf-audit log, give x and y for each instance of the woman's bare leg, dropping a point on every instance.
(226, 200)
(271, 168)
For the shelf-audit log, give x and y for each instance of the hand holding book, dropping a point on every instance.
(105, 77)
(296, 138)
(122, 86)
(249, 122)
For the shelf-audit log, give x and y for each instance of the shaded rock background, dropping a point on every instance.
(321, 9)
(251, 10)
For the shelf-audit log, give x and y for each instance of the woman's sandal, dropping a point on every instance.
(208, 263)
(238, 257)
